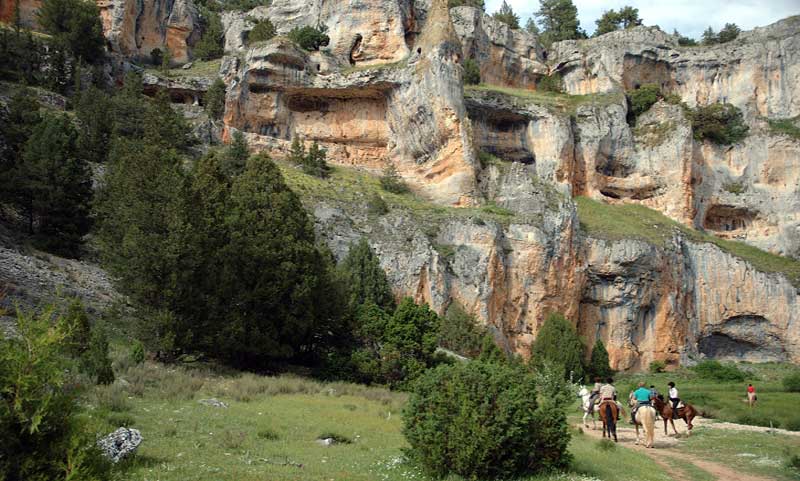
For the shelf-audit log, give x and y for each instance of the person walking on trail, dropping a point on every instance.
(674, 399)
(751, 395)
(642, 396)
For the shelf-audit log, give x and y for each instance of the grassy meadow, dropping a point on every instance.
(725, 401)
(272, 426)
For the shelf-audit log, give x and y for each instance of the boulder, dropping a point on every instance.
(120, 444)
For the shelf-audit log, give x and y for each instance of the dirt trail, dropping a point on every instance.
(665, 450)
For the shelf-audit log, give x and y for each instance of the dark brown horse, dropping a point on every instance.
(687, 413)
(609, 415)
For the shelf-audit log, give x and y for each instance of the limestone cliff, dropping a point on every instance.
(135, 28)
(390, 92)
(132, 27)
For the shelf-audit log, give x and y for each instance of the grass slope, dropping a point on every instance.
(632, 221)
(558, 102)
(270, 430)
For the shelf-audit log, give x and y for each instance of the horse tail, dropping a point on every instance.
(648, 423)
(609, 417)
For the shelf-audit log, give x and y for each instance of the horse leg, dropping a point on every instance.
(637, 431)
(665, 427)
(672, 423)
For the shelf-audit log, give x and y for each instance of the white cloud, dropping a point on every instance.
(690, 17)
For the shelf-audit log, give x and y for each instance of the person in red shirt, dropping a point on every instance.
(751, 395)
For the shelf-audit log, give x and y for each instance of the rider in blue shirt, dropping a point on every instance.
(642, 396)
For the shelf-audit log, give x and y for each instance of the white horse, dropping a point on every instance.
(587, 406)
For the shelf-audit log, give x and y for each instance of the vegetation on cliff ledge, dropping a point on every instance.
(632, 221)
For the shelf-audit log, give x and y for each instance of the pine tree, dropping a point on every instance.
(297, 153)
(274, 284)
(391, 180)
(531, 27)
(506, 15)
(559, 20)
(729, 32)
(237, 154)
(94, 110)
(558, 342)
(210, 44)
(54, 186)
(140, 212)
(215, 99)
(263, 31)
(128, 111)
(598, 364)
(608, 22)
(710, 37)
(75, 24)
(315, 162)
(365, 278)
(163, 125)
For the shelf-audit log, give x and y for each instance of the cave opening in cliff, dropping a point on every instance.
(743, 338)
(726, 218)
(638, 70)
(502, 134)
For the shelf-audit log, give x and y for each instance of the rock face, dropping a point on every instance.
(132, 27)
(512, 58)
(27, 12)
(409, 113)
(136, 27)
(676, 302)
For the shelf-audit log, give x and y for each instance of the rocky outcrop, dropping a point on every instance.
(409, 113)
(758, 72)
(675, 302)
(135, 28)
(512, 58)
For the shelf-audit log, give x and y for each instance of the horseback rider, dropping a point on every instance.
(642, 396)
(595, 391)
(673, 397)
(607, 391)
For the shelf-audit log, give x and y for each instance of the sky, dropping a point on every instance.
(690, 17)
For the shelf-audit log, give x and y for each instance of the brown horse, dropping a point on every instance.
(609, 415)
(687, 413)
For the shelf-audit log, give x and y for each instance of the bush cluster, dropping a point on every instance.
(550, 83)
(791, 383)
(261, 32)
(643, 98)
(391, 181)
(43, 437)
(482, 420)
(720, 123)
(558, 342)
(309, 38)
(472, 72)
(313, 162)
(718, 371)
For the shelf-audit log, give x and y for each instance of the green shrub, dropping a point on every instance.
(214, 99)
(39, 427)
(550, 83)
(794, 462)
(719, 372)
(791, 383)
(268, 434)
(599, 365)
(720, 123)
(156, 56)
(643, 98)
(460, 332)
(392, 182)
(788, 127)
(757, 420)
(376, 205)
(263, 31)
(481, 420)
(210, 45)
(558, 342)
(95, 361)
(309, 38)
(467, 3)
(472, 72)
(137, 352)
(792, 424)
(657, 367)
